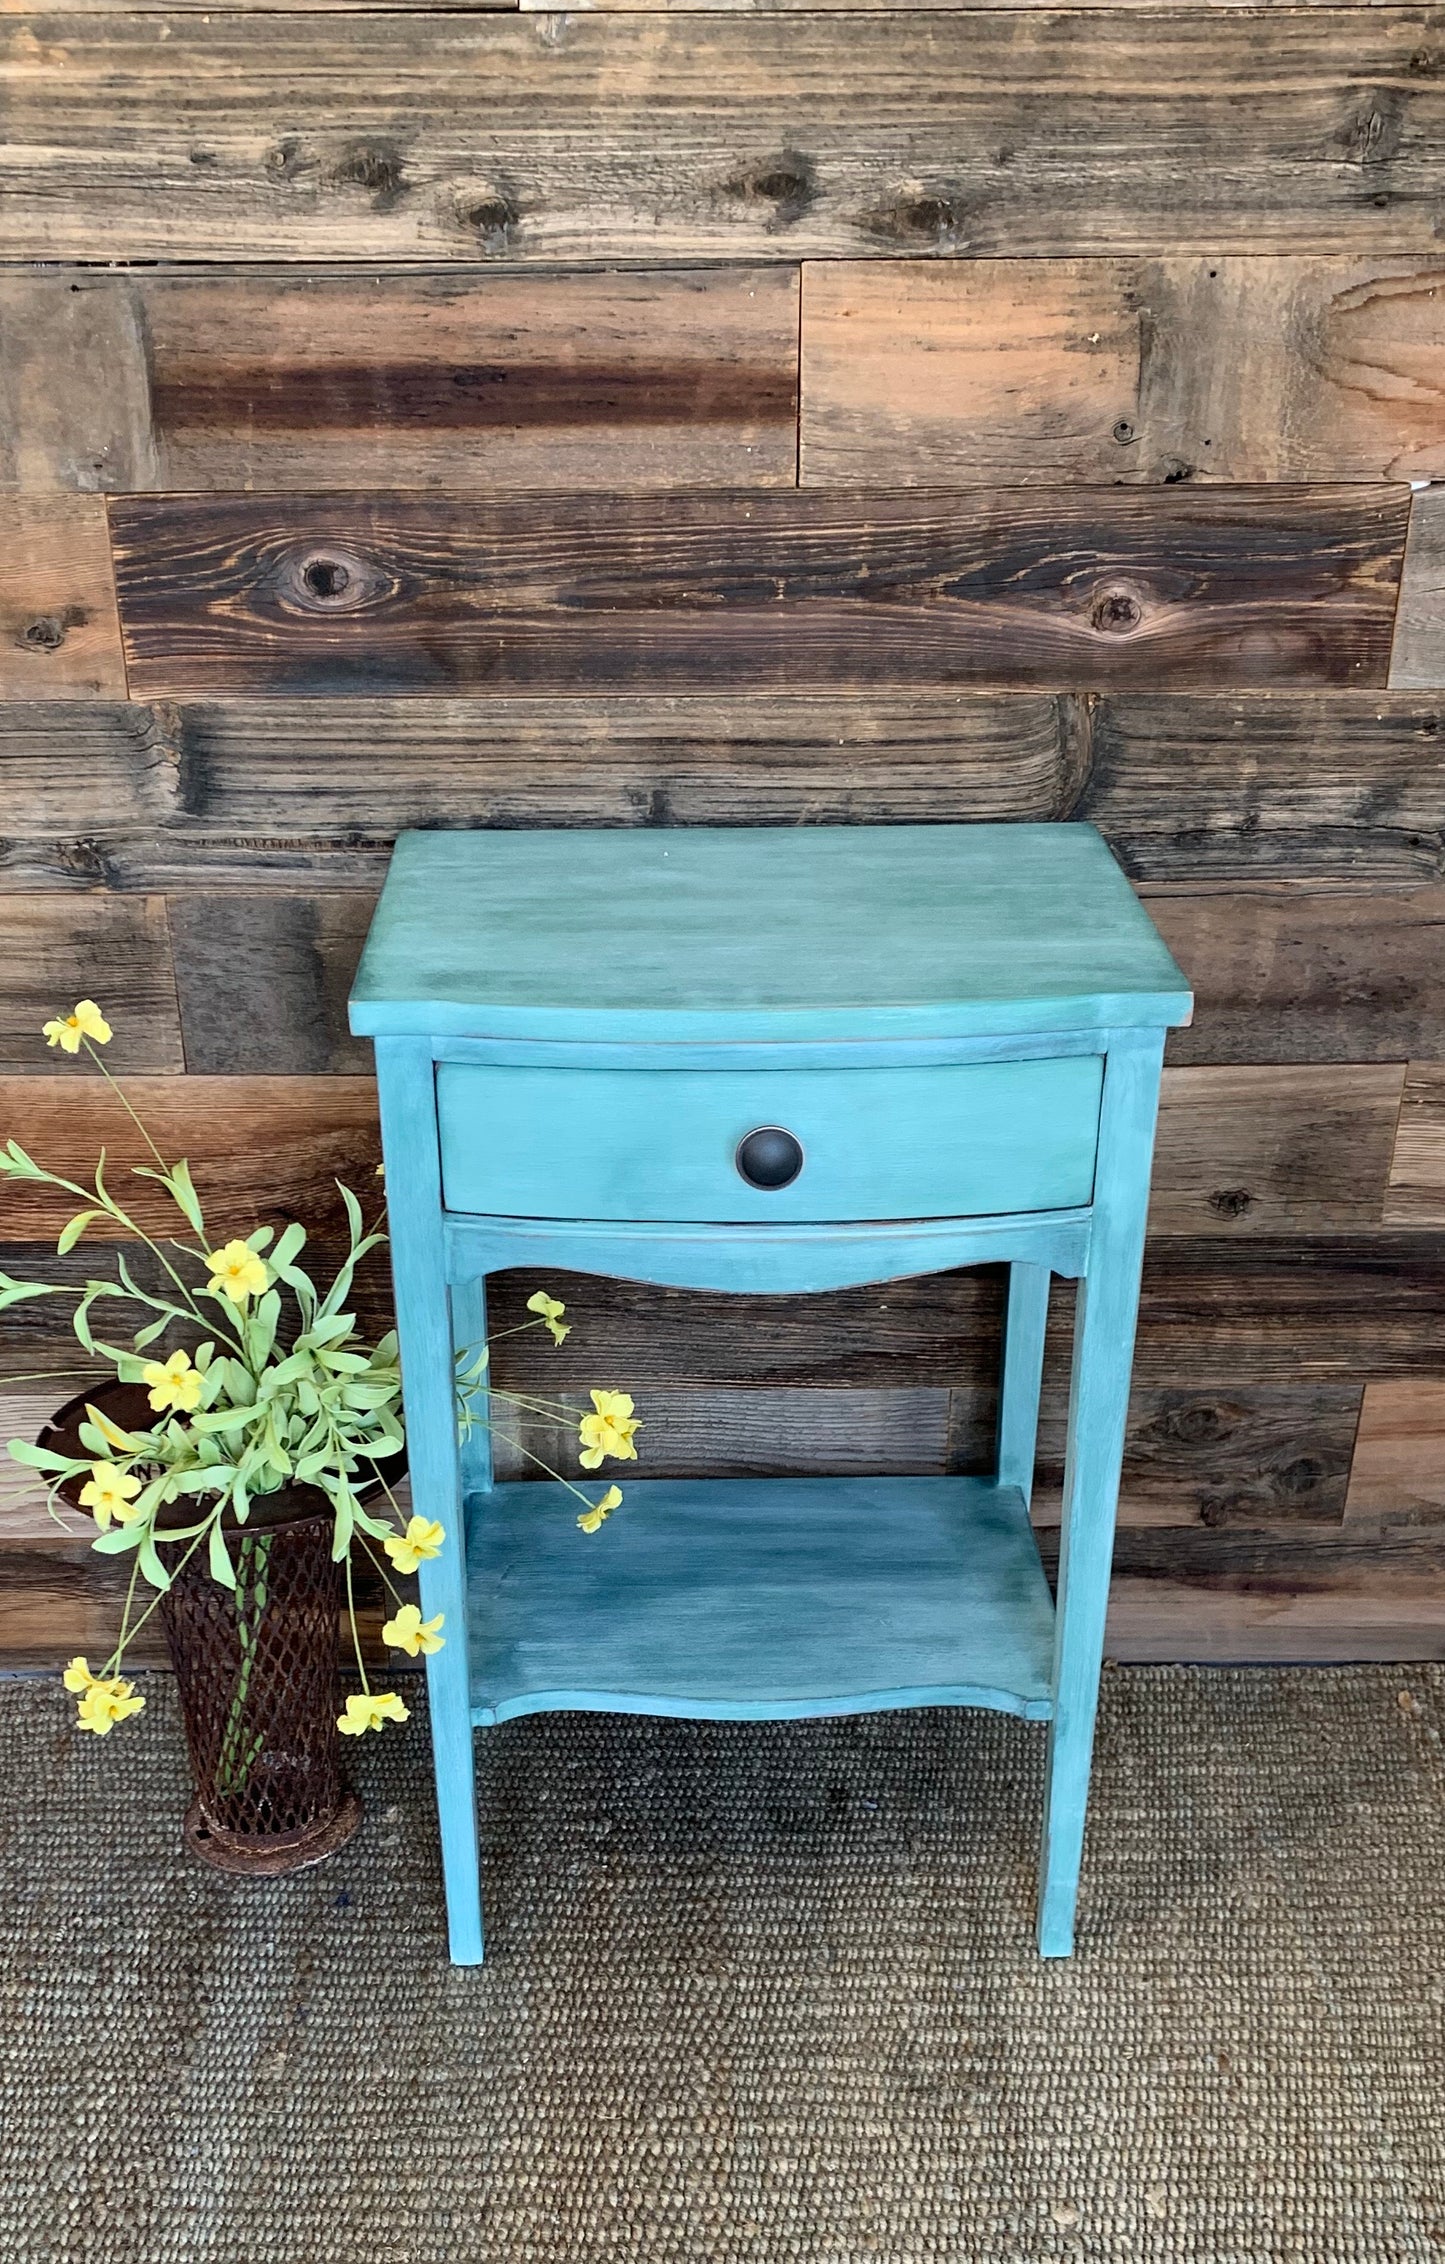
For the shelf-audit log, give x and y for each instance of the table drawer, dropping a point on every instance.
(960, 1141)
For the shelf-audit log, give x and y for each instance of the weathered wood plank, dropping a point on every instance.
(59, 635)
(1281, 975)
(1211, 368)
(1273, 786)
(723, 137)
(115, 949)
(1250, 786)
(748, 1433)
(263, 981)
(1258, 1455)
(297, 378)
(1275, 1597)
(1209, 588)
(1270, 1151)
(1398, 1473)
(1216, 1313)
(1419, 654)
(1240, 1150)
(1307, 974)
(1416, 1195)
(262, 1150)
(1252, 1457)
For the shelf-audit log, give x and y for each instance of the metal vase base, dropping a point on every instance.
(270, 1855)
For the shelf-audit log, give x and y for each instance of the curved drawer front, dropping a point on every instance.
(955, 1142)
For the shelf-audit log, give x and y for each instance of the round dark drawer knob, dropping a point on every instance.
(769, 1157)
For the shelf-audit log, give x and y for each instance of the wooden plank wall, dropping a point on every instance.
(786, 414)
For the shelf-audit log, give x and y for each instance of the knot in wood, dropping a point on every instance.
(1116, 613)
(329, 578)
(45, 634)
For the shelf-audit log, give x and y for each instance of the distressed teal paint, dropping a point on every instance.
(661, 1144)
(964, 1026)
(424, 1326)
(762, 1599)
(799, 932)
(1025, 1319)
(761, 1261)
(1108, 1304)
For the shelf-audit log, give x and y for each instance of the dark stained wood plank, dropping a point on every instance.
(1209, 588)
(1314, 1597)
(262, 1150)
(748, 1433)
(263, 981)
(599, 137)
(1398, 1474)
(59, 637)
(114, 949)
(1419, 654)
(1270, 1151)
(1280, 975)
(1217, 1313)
(1210, 368)
(1267, 786)
(1257, 1455)
(1416, 1194)
(298, 378)
(1258, 1151)
(1252, 1457)
(1307, 974)
(1248, 786)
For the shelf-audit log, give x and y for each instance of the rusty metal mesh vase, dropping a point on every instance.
(256, 1668)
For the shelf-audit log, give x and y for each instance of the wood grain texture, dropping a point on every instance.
(723, 137)
(1416, 1194)
(262, 1150)
(1276, 1597)
(1260, 787)
(1217, 1313)
(1207, 588)
(263, 980)
(1281, 975)
(1419, 654)
(1240, 1151)
(1211, 368)
(1398, 1474)
(750, 1434)
(59, 636)
(115, 949)
(1307, 974)
(220, 794)
(1259, 1455)
(401, 378)
(1270, 1151)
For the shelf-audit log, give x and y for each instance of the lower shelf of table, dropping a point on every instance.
(754, 1600)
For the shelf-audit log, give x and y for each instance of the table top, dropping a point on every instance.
(762, 932)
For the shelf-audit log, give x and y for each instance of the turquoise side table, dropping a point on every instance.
(769, 1061)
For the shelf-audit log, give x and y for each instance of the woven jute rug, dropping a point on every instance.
(754, 1993)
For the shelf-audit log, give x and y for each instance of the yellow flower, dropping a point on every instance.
(551, 1310)
(371, 1709)
(84, 1020)
(238, 1272)
(109, 1491)
(173, 1382)
(609, 1431)
(421, 1541)
(411, 1633)
(103, 1701)
(592, 1518)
